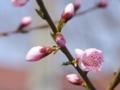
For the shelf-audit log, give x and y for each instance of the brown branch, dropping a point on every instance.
(18, 30)
(86, 11)
(64, 49)
(40, 26)
(115, 81)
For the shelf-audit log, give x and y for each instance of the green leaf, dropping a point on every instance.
(52, 35)
(40, 13)
(73, 62)
(60, 25)
(66, 63)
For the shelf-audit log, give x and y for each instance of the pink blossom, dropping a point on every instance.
(78, 53)
(26, 21)
(68, 12)
(74, 79)
(60, 40)
(19, 3)
(37, 53)
(77, 5)
(91, 60)
(103, 3)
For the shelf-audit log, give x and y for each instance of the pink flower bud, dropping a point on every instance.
(103, 3)
(60, 40)
(78, 53)
(77, 5)
(37, 53)
(74, 79)
(68, 12)
(26, 21)
(91, 60)
(18, 3)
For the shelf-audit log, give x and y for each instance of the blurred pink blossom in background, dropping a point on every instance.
(18, 3)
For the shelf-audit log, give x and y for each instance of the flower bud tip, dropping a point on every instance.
(68, 12)
(77, 5)
(74, 79)
(60, 40)
(37, 53)
(102, 3)
(26, 21)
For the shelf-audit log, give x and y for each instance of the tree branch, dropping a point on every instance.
(115, 81)
(64, 49)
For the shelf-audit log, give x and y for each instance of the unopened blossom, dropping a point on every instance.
(77, 5)
(67, 13)
(18, 3)
(37, 53)
(60, 40)
(26, 21)
(74, 79)
(91, 60)
(103, 3)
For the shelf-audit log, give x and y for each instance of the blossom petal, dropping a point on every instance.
(91, 60)
(78, 53)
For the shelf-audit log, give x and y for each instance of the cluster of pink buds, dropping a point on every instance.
(90, 59)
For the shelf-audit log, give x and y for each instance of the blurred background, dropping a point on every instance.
(97, 29)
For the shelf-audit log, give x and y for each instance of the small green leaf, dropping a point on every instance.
(40, 13)
(60, 26)
(67, 63)
(52, 35)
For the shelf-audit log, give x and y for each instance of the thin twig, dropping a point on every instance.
(44, 25)
(115, 81)
(86, 11)
(40, 26)
(18, 30)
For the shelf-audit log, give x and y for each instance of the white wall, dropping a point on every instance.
(45, 74)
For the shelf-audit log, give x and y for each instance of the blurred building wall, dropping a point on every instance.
(44, 74)
(11, 79)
